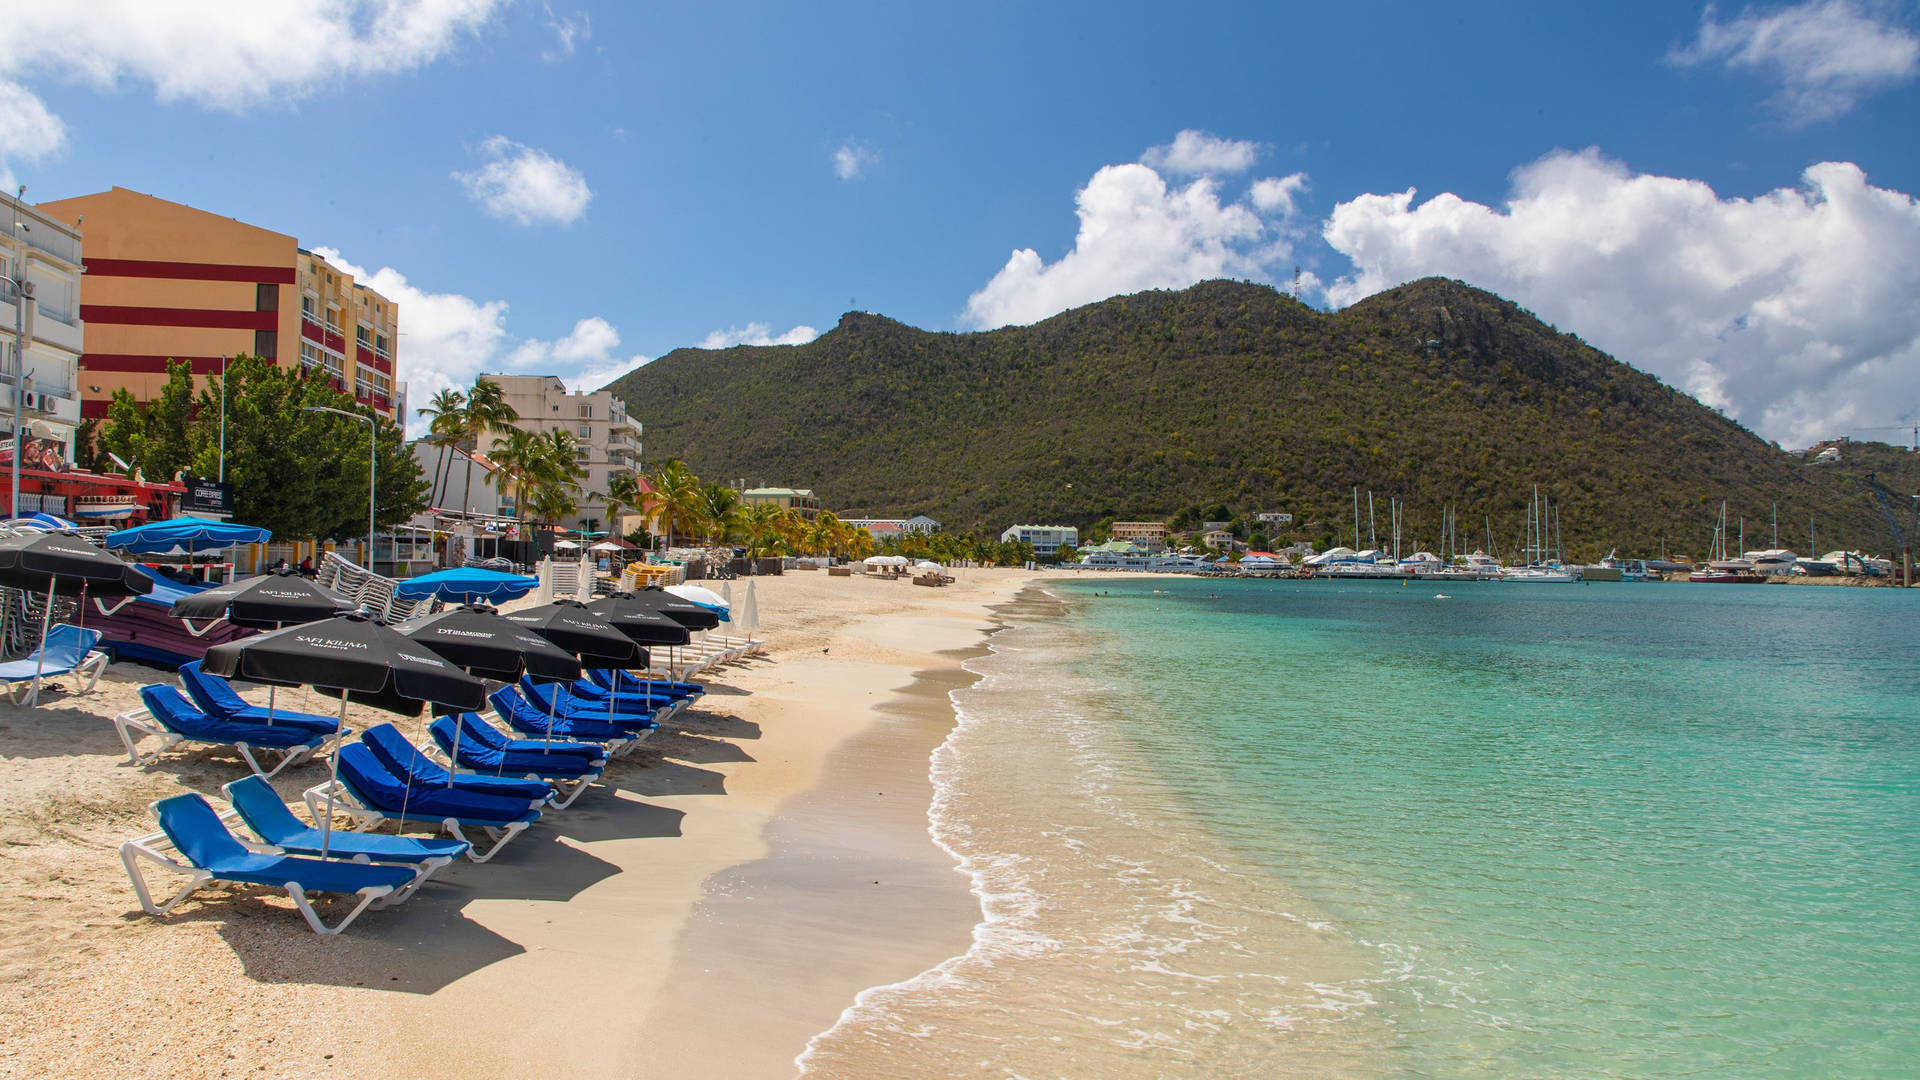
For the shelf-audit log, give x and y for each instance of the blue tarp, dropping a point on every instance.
(185, 535)
(466, 583)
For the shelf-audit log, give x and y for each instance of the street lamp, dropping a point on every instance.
(373, 446)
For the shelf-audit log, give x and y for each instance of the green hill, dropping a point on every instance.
(1435, 393)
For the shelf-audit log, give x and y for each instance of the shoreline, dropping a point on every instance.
(592, 932)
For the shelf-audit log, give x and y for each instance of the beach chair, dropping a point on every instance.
(259, 806)
(174, 720)
(68, 650)
(523, 716)
(557, 699)
(203, 849)
(569, 773)
(217, 698)
(583, 698)
(370, 794)
(474, 727)
(403, 759)
(629, 683)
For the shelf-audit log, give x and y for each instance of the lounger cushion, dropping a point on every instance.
(216, 697)
(175, 713)
(476, 755)
(270, 819)
(381, 790)
(199, 835)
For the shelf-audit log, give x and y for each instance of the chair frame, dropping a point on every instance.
(130, 722)
(91, 665)
(154, 848)
(366, 818)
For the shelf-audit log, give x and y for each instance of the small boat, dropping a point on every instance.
(1546, 574)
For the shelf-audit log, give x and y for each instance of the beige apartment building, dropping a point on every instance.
(43, 253)
(165, 281)
(1151, 535)
(608, 439)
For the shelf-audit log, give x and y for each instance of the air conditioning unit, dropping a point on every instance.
(30, 401)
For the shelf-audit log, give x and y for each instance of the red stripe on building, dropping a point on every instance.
(94, 408)
(160, 316)
(202, 365)
(186, 271)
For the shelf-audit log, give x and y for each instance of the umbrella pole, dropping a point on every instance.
(46, 619)
(272, 689)
(551, 702)
(333, 776)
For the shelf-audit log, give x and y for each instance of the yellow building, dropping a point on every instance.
(165, 281)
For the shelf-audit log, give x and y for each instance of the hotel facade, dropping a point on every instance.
(42, 252)
(606, 439)
(165, 281)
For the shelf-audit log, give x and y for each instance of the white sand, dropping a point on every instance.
(695, 917)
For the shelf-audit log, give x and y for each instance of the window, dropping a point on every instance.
(306, 307)
(585, 431)
(363, 336)
(266, 297)
(380, 344)
(266, 344)
(586, 412)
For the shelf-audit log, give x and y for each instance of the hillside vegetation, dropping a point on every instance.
(1434, 393)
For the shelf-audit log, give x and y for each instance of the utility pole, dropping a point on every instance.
(373, 446)
(22, 325)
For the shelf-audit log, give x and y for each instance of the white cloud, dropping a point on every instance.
(1275, 195)
(28, 132)
(1825, 54)
(223, 54)
(568, 31)
(757, 333)
(524, 185)
(1196, 153)
(1135, 233)
(585, 359)
(852, 159)
(447, 340)
(1793, 311)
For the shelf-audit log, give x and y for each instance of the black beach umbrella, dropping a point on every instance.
(354, 657)
(585, 633)
(685, 612)
(639, 620)
(64, 564)
(476, 638)
(268, 602)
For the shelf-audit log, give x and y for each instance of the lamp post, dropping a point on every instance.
(22, 295)
(223, 419)
(373, 447)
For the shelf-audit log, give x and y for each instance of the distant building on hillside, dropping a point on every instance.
(798, 499)
(165, 281)
(1046, 539)
(1274, 518)
(1150, 535)
(1220, 539)
(607, 440)
(882, 528)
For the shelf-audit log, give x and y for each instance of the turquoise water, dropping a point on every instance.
(1645, 830)
(1348, 829)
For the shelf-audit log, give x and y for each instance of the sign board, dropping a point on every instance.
(206, 497)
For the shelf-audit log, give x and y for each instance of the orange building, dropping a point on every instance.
(166, 281)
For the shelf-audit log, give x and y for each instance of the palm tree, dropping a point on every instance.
(760, 522)
(623, 494)
(719, 512)
(449, 427)
(676, 495)
(517, 455)
(487, 412)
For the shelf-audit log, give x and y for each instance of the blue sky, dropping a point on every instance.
(1722, 196)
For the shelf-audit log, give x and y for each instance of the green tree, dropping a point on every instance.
(719, 512)
(446, 431)
(486, 413)
(154, 437)
(676, 496)
(516, 456)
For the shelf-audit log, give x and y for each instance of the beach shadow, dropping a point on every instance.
(721, 690)
(715, 725)
(659, 777)
(537, 865)
(60, 726)
(608, 815)
(695, 748)
(419, 947)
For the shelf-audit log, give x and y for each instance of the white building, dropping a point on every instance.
(1046, 539)
(44, 254)
(1274, 517)
(607, 439)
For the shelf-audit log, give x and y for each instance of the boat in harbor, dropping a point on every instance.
(1720, 570)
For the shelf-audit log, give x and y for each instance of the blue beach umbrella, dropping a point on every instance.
(185, 536)
(468, 584)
